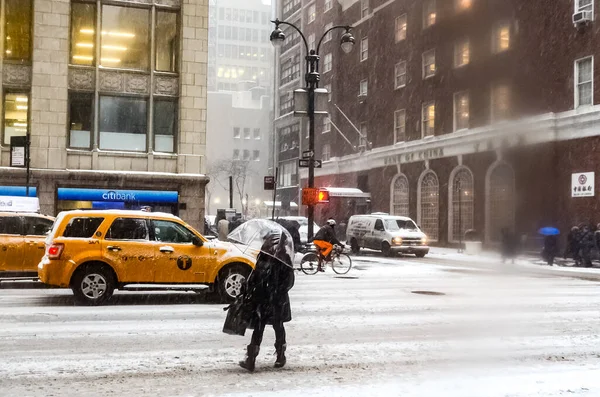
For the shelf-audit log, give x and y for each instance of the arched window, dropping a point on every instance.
(400, 198)
(428, 213)
(461, 206)
(500, 200)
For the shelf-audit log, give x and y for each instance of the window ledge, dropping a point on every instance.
(400, 87)
(85, 152)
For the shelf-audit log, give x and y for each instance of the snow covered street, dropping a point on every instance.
(391, 327)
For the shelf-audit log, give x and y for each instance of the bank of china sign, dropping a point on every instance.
(582, 184)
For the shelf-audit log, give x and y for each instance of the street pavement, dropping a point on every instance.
(445, 325)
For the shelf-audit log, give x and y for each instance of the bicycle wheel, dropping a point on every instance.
(309, 263)
(341, 264)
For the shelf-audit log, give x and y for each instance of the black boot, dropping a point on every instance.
(249, 362)
(280, 361)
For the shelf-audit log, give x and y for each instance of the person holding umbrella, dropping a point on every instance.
(550, 250)
(266, 294)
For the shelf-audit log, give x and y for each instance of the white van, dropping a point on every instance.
(386, 233)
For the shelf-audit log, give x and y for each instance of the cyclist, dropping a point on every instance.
(325, 239)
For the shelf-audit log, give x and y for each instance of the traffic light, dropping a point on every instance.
(323, 196)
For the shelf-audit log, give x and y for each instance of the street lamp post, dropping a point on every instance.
(311, 79)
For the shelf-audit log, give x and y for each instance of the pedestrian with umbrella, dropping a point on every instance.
(550, 250)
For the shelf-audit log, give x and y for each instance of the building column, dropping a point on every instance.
(48, 113)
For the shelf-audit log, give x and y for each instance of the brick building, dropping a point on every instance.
(113, 97)
(494, 96)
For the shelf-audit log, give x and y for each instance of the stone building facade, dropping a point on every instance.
(463, 114)
(112, 96)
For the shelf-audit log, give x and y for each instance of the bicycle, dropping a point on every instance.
(341, 263)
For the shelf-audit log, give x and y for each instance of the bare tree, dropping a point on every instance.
(239, 170)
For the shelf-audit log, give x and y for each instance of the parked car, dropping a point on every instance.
(303, 221)
(22, 236)
(96, 252)
(386, 233)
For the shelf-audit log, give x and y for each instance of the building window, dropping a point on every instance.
(326, 124)
(428, 64)
(428, 212)
(256, 155)
(17, 30)
(246, 155)
(80, 120)
(429, 13)
(326, 156)
(501, 37)
(328, 88)
(83, 35)
(462, 53)
(246, 133)
(237, 133)
(327, 63)
(400, 196)
(363, 140)
(500, 201)
(328, 5)
(288, 175)
(363, 87)
(585, 5)
(400, 28)
(364, 8)
(428, 128)
(123, 123)
(400, 75)
(289, 69)
(364, 48)
(167, 41)
(15, 115)
(461, 203)
(311, 42)
(500, 102)
(125, 37)
(461, 111)
(584, 82)
(236, 154)
(165, 125)
(312, 13)
(399, 126)
(286, 103)
(329, 34)
(257, 133)
(462, 5)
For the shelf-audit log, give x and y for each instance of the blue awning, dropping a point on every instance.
(17, 191)
(130, 196)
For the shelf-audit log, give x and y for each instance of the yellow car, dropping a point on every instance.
(96, 252)
(22, 237)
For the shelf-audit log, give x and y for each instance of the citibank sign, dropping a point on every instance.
(116, 196)
(137, 196)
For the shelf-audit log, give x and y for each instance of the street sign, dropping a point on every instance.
(305, 163)
(269, 183)
(583, 184)
(308, 154)
(310, 195)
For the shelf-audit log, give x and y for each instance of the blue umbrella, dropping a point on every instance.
(549, 231)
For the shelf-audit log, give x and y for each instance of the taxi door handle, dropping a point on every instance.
(113, 248)
(166, 249)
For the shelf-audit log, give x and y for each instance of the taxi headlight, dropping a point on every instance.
(397, 240)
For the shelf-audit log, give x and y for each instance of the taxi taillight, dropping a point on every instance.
(54, 251)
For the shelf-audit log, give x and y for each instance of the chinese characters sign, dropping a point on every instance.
(582, 184)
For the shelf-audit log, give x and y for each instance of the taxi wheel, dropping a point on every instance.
(231, 280)
(93, 285)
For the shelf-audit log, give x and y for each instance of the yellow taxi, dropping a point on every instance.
(96, 252)
(22, 237)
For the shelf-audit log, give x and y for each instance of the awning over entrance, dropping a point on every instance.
(347, 192)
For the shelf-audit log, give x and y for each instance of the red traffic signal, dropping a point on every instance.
(323, 196)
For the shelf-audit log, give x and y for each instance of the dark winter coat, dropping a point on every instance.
(267, 289)
(510, 245)
(572, 247)
(293, 228)
(586, 240)
(326, 233)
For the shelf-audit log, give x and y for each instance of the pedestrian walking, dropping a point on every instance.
(509, 246)
(550, 250)
(266, 294)
(586, 244)
(572, 248)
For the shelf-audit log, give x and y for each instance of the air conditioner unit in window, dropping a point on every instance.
(582, 17)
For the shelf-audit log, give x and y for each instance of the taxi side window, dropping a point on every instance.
(11, 225)
(35, 226)
(171, 232)
(82, 227)
(379, 225)
(128, 229)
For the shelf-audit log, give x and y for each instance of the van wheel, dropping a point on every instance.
(354, 246)
(420, 255)
(386, 249)
(93, 285)
(231, 281)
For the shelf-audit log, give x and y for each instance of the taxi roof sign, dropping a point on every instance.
(19, 204)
